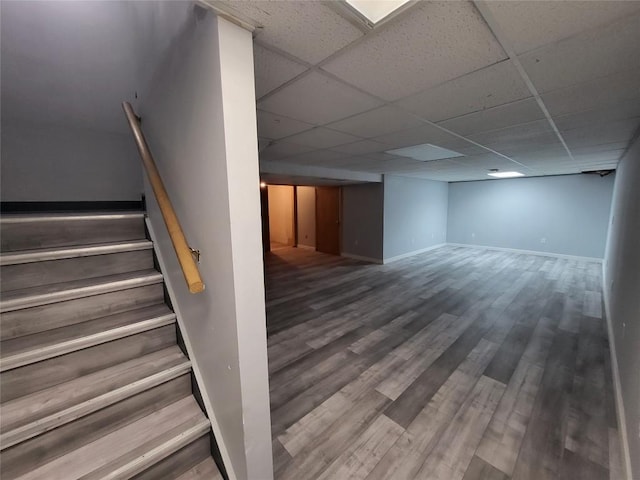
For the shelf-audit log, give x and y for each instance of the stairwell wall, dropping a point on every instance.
(198, 115)
(621, 285)
(65, 68)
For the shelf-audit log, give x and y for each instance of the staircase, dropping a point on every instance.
(93, 382)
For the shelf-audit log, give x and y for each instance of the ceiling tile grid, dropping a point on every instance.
(329, 96)
(377, 122)
(485, 88)
(318, 99)
(277, 126)
(320, 137)
(613, 90)
(503, 116)
(272, 70)
(361, 147)
(587, 56)
(532, 24)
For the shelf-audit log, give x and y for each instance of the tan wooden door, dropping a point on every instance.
(328, 220)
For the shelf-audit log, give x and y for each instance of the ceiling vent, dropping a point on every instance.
(425, 152)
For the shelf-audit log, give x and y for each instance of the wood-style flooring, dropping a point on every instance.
(458, 363)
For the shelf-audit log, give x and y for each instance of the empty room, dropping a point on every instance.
(258, 240)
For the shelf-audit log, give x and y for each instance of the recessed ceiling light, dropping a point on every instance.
(505, 174)
(376, 10)
(425, 152)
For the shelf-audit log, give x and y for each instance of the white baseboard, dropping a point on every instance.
(528, 252)
(360, 257)
(306, 247)
(412, 253)
(617, 388)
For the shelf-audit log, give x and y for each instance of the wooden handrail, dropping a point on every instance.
(183, 251)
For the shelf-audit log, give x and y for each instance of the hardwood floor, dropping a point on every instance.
(458, 363)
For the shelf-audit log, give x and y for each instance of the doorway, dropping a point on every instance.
(281, 207)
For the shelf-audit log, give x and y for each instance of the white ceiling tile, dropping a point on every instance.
(276, 126)
(315, 157)
(531, 133)
(531, 24)
(600, 157)
(377, 122)
(523, 111)
(272, 70)
(494, 85)
(432, 43)
(278, 150)
(618, 131)
(429, 134)
(263, 143)
(532, 156)
(584, 57)
(624, 110)
(383, 157)
(318, 99)
(486, 162)
(310, 31)
(606, 147)
(361, 147)
(321, 137)
(612, 90)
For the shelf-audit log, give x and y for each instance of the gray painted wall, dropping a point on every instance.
(362, 220)
(306, 216)
(565, 214)
(87, 165)
(415, 214)
(622, 292)
(199, 116)
(66, 67)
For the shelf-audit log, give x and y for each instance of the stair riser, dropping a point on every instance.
(34, 274)
(39, 450)
(179, 462)
(32, 378)
(32, 320)
(51, 233)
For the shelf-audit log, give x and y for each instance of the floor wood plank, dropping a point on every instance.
(481, 470)
(456, 363)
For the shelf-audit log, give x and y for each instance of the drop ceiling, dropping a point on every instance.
(544, 88)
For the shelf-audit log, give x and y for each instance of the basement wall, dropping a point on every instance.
(415, 215)
(64, 135)
(362, 221)
(199, 117)
(565, 214)
(622, 300)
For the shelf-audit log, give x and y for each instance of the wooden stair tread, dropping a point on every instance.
(33, 408)
(8, 218)
(131, 449)
(206, 470)
(58, 292)
(27, 349)
(94, 384)
(59, 253)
